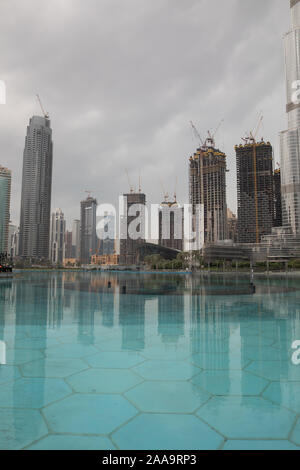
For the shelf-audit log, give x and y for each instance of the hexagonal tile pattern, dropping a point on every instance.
(259, 445)
(35, 343)
(166, 370)
(218, 361)
(114, 360)
(89, 414)
(167, 397)
(8, 374)
(68, 442)
(296, 433)
(247, 418)
(21, 356)
(70, 351)
(275, 370)
(104, 381)
(166, 354)
(285, 394)
(19, 428)
(53, 368)
(232, 382)
(32, 393)
(266, 353)
(166, 432)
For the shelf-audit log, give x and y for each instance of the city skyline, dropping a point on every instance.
(95, 142)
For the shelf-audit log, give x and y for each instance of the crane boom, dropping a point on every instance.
(196, 133)
(45, 114)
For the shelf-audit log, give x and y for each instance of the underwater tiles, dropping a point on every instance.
(53, 368)
(265, 353)
(104, 381)
(275, 370)
(166, 432)
(260, 445)
(114, 360)
(219, 361)
(19, 428)
(21, 356)
(70, 351)
(247, 418)
(167, 397)
(32, 393)
(8, 374)
(284, 393)
(296, 433)
(166, 370)
(89, 414)
(68, 442)
(230, 382)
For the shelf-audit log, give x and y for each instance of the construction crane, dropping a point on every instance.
(211, 137)
(45, 114)
(197, 134)
(252, 140)
(132, 189)
(88, 192)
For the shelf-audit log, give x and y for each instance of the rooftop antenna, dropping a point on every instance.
(45, 114)
(175, 192)
(129, 182)
(140, 187)
(166, 195)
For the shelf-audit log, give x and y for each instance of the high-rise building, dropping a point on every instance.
(232, 226)
(12, 231)
(88, 235)
(277, 199)
(57, 243)
(290, 139)
(69, 246)
(76, 239)
(171, 225)
(254, 162)
(132, 227)
(36, 189)
(208, 187)
(107, 235)
(5, 188)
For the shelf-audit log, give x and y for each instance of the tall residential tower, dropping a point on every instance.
(5, 188)
(36, 189)
(290, 139)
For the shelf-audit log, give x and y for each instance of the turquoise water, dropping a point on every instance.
(149, 361)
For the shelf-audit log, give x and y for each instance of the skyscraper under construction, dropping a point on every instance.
(132, 227)
(255, 190)
(208, 187)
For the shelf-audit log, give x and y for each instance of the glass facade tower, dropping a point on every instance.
(5, 188)
(290, 139)
(36, 190)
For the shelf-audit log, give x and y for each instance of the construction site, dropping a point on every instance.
(207, 186)
(255, 190)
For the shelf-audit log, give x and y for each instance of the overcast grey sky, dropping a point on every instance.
(121, 80)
